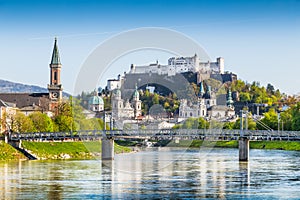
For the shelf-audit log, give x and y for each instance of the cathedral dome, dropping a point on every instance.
(96, 100)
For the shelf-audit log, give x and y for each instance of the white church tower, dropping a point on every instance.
(137, 103)
(116, 103)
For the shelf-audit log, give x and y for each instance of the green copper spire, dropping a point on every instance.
(136, 92)
(55, 55)
(229, 98)
(201, 91)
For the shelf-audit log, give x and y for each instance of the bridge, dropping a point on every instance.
(108, 136)
(160, 134)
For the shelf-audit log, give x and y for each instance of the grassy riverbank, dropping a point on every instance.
(7, 152)
(68, 150)
(282, 145)
(57, 150)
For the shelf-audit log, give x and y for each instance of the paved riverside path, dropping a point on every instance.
(162, 134)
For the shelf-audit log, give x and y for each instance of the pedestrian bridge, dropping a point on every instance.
(108, 137)
(162, 134)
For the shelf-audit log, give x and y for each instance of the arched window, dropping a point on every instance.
(55, 76)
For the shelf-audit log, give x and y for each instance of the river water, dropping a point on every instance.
(157, 174)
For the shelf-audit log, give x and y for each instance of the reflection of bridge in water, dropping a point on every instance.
(108, 136)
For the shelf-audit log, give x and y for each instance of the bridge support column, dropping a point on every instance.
(243, 149)
(107, 149)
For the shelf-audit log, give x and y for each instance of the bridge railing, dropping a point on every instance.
(220, 134)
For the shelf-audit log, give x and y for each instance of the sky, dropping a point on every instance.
(259, 39)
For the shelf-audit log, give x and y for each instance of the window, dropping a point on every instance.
(55, 76)
(191, 114)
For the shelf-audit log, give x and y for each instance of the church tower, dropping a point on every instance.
(55, 87)
(137, 103)
(117, 103)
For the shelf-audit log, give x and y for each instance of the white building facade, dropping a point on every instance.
(127, 110)
(199, 109)
(177, 65)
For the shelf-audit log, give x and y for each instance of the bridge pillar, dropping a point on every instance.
(107, 149)
(243, 149)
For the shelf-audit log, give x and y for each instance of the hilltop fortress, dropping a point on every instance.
(192, 68)
(177, 65)
(174, 77)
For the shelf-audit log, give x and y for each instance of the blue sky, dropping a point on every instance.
(260, 40)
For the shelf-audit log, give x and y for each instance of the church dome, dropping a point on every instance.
(96, 100)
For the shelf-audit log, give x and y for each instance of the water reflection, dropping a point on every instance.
(244, 168)
(156, 173)
(55, 176)
(107, 175)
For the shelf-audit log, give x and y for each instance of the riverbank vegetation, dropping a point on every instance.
(69, 150)
(281, 145)
(7, 152)
(69, 117)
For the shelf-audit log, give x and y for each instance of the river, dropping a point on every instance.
(157, 174)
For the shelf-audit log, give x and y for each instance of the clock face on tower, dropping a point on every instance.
(54, 94)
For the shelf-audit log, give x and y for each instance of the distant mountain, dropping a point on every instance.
(12, 87)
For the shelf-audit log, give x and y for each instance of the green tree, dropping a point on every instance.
(202, 123)
(245, 97)
(63, 120)
(286, 120)
(190, 123)
(270, 89)
(22, 124)
(64, 123)
(251, 124)
(166, 105)
(41, 122)
(147, 94)
(155, 99)
(295, 112)
(270, 119)
(228, 125)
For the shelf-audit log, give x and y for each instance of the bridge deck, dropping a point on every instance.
(165, 134)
